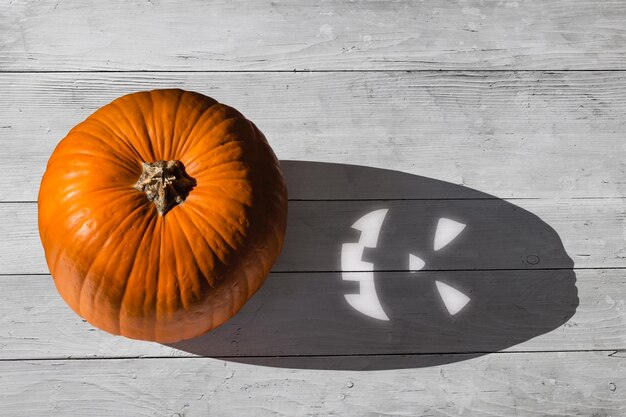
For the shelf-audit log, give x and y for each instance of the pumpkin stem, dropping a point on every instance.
(165, 183)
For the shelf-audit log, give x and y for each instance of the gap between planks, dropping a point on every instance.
(422, 71)
(613, 353)
(408, 199)
(337, 271)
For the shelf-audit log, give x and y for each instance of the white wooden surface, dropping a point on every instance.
(592, 231)
(469, 102)
(335, 35)
(506, 384)
(43, 327)
(510, 134)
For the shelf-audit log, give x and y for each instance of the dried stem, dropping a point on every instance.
(165, 183)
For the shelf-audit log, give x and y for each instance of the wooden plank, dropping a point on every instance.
(306, 314)
(572, 384)
(522, 234)
(509, 134)
(263, 35)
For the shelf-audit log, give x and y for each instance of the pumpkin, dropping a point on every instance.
(161, 214)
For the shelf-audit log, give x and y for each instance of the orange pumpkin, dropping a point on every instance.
(161, 214)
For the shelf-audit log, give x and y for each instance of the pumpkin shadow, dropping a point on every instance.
(487, 277)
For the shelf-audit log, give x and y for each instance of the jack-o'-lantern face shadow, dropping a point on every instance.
(387, 270)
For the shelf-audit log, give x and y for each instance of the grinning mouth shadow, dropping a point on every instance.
(511, 268)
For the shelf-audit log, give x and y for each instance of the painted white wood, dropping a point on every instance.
(552, 136)
(587, 231)
(305, 314)
(261, 35)
(541, 384)
(530, 135)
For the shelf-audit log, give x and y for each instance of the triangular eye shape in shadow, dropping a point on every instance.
(415, 263)
(447, 231)
(453, 299)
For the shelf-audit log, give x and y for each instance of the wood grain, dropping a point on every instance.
(540, 384)
(305, 314)
(430, 109)
(66, 35)
(520, 234)
(509, 134)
